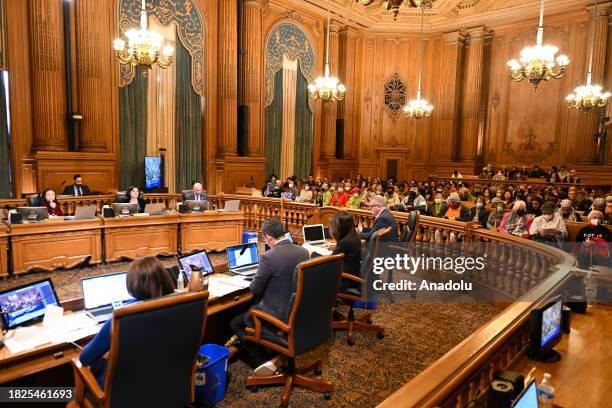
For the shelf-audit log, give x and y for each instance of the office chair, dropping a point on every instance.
(408, 234)
(353, 293)
(35, 200)
(153, 355)
(121, 197)
(309, 325)
(187, 195)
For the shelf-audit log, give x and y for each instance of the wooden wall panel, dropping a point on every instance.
(98, 170)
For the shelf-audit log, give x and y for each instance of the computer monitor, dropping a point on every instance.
(528, 398)
(545, 330)
(27, 303)
(33, 214)
(197, 206)
(242, 255)
(198, 259)
(153, 172)
(104, 290)
(125, 208)
(313, 234)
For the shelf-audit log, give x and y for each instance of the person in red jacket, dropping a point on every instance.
(341, 196)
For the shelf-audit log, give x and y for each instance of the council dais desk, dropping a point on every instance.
(134, 237)
(54, 244)
(210, 230)
(4, 233)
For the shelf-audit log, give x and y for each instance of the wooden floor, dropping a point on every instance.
(583, 376)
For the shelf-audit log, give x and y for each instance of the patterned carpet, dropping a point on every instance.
(417, 333)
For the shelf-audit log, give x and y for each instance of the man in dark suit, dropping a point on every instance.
(384, 219)
(77, 188)
(273, 284)
(196, 194)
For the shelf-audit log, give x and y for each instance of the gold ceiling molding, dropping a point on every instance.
(445, 15)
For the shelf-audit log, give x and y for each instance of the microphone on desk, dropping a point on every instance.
(80, 267)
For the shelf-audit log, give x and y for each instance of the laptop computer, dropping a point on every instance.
(104, 293)
(528, 398)
(86, 212)
(154, 208)
(243, 259)
(26, 303)
(231, 206)
(198, 259)
(314, 235)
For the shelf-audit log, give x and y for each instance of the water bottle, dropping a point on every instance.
(546, 392)
(180, 282)
(590, 288)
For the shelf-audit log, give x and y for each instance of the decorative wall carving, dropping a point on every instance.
(528, 151)
(288, 39)
(190, 27)
(395, 95)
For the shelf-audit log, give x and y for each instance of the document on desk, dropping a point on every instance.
(219, 286)
(26, 338)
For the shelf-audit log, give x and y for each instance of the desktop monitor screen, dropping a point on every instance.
(153, 172)
(27, 303)
(199, 259)
(104, 290)
(242, 255)
(529, 397)
(551, 323)
(313, 233)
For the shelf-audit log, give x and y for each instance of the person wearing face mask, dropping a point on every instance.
(341, 196)
(567, 211)
(479, 213)
(326, 194)
(272, 287)
(355, 200)
(392, 198)
(592, 246)
(305, 195)
(499, 176)
(456, 211)
(439, 207)
(277, 191)
(548, 227)
(497, 215)
(516, 222)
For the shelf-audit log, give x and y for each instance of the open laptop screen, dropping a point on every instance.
(314, 233)
(105, 290)
(528, 398)
(242, 255)
(199, 259)
(28, 302)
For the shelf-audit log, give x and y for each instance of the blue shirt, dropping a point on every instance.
(93, 354)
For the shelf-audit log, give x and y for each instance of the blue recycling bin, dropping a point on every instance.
(210, 378)
(249, 236)
(362, 304)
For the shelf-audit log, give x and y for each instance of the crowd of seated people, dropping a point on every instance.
(555, 175)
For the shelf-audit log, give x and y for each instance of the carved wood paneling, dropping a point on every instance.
(228, 78)
(98, 170)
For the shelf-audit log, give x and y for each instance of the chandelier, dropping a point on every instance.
(327, 88)
(394, 5)
(419, 108)
(587, 97)
(538, 63)
(144, 47)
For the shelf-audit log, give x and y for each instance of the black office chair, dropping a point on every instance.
(121, 197)
(35, 200)
(153, 355)
(409, 230)
(352, 293)
(187, 195)
(308, 326)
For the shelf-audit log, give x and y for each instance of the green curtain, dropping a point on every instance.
(189, 164)
(303, 128)
(6, 189)
(274, 127)
(133, 128)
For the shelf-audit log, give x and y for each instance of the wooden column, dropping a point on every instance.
(94, 78)
(450, 95)
(330, 109)
(472, 126)
(251, 84)
(228, 78)
(48, 74)
(586, 147)
(347, 75)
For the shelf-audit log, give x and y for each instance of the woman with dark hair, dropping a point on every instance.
(133, 196)
(49, 201)
(146, 279)
(342, 230)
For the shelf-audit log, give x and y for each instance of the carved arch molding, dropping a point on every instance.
(190, 28)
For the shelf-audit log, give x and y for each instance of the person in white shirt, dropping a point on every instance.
(305, 195)
(548, 227)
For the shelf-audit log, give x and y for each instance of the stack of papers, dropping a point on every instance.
(56, 328)
(218, 286)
